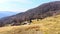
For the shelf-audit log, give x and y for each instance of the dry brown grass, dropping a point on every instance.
(24, 29)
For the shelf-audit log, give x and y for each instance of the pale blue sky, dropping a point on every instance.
(20, 5)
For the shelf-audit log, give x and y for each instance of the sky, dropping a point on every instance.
(20, 5)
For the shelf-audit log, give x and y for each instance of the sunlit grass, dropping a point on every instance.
(51, 23)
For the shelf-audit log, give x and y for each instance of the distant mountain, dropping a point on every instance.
(40, 12)
(6, 13)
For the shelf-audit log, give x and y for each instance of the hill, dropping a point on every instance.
(6, 13)
(40, 12)
(49, 25)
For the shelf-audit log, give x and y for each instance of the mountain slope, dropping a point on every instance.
(49, 25)
(40, 12)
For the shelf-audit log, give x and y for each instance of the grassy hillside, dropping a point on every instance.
(52, 24)
(25, 29)
(49, 25)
